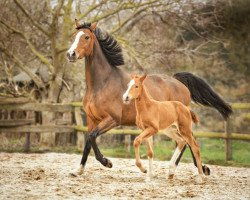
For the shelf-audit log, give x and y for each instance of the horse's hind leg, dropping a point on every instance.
(149, 142)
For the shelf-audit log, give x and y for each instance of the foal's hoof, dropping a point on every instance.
(206, 170)
(108, 163)
(200, 179)
(144, 171)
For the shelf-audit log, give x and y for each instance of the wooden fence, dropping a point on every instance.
(28, 126)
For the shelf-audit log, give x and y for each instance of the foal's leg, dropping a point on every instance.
(137, 142)
(205, 169)
(149, 142)
(182, 150)
(181, 143)
(196, 151)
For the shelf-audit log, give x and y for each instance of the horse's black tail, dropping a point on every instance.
(203, 94)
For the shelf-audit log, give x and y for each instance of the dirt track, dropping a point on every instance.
(46, 176)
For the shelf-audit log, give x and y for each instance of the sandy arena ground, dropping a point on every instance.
(46, 176)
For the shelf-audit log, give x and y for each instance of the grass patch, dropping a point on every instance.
(212, 152)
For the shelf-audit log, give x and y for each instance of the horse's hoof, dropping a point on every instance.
(72, 174)
(170, 176)
(79, 171)
(206, 170)
(108, 163)
(144, 171)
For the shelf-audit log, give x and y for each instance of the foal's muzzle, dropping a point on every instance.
(126, 100)
(71, 56)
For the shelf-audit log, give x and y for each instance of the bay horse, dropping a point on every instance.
(152, 116)
(105, 84)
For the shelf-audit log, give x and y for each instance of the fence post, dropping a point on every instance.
(27, 135)
(228, 141)
(127, 142)
(80, 135)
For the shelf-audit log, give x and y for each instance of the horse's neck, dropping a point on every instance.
(97, 68)
(143, 101)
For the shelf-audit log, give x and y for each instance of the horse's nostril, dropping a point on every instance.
(127, 98)
(68, 55)
(73, 54)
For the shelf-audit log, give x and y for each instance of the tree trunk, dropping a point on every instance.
(48, 140)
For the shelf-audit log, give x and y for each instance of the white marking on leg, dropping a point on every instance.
(80, 170)
(150, 168)
(200, 178)
(172, 165)
(75, 43)
(131, 83)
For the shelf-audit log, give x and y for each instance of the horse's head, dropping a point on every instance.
(83, 41)
(134, 88)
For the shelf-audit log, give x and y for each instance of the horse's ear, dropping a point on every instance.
(93, 26)
(77, 23)
(142, 78)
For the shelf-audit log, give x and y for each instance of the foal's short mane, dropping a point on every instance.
(110, 47)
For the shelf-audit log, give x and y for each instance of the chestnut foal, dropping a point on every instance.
(152, 116)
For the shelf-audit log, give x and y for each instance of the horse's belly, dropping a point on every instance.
(128, 115)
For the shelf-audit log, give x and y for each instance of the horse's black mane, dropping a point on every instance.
(110, 47)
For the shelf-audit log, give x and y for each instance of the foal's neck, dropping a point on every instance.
(143, 100)
(97, 68)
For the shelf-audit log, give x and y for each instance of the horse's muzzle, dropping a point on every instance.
(71, 56)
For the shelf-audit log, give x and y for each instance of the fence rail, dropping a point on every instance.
(68, 129)
(26, 126)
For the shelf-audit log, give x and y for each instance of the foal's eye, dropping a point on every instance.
(87, 37)
(136, 86)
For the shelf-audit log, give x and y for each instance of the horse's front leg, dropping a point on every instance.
(91, 125)
(137, 142)
(105, 125)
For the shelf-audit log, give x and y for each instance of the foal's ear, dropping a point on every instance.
(132, 76)
(93, 26)
(142, 78)
(77, 23)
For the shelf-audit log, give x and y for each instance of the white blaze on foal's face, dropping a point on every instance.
(126, 96)
(73, 47)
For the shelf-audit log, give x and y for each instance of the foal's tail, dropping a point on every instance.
(195, 119)
(202, 93)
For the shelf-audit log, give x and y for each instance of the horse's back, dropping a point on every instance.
(166, 88)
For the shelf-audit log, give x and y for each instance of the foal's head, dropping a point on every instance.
(134, 88)
(83, 41)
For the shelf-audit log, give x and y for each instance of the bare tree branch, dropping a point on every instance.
(91, 8)
(26, 13)
(39, 55)
(27, 70)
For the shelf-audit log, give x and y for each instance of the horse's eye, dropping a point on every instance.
(136, 86)
(87, 37)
